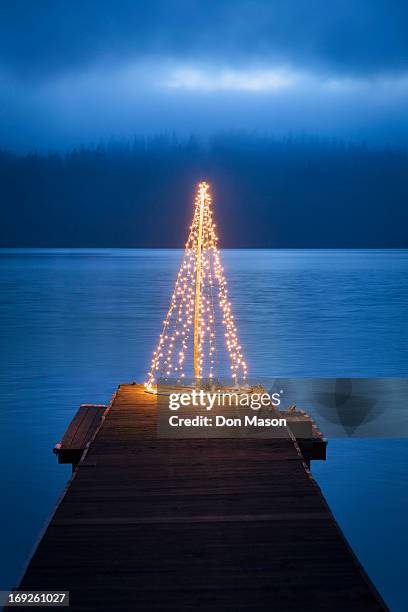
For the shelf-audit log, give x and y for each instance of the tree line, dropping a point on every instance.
(293, 192)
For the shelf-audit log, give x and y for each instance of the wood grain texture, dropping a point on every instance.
(79, 433)
(215, 524)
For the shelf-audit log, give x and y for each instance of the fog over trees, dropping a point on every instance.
(268, 192)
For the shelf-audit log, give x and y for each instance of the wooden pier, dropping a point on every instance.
(210, 524)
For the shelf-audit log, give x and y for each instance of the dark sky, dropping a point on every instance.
(80, 71)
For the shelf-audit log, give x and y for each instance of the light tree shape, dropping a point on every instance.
(200, 297)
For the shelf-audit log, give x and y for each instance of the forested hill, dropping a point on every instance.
(295, 192)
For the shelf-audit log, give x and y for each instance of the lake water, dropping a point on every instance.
(75, 323)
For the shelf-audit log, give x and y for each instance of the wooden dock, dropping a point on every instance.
(172, 524)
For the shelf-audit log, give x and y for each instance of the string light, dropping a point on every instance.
(191, 318)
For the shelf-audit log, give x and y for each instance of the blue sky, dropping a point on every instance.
(76, 72)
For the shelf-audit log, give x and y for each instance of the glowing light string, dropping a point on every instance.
(190, 322)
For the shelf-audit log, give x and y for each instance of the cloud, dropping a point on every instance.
(227, 79)
(77, 71)
(40, 39)
(150, 97)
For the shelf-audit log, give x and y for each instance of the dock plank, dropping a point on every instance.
(220, 524)
(79, 433)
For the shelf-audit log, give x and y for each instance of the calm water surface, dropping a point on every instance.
(75, 323)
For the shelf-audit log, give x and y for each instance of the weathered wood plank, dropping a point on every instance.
(77, 434)
(80, 431)
(215, 524)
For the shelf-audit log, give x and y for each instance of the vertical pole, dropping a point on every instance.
(198, 282)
